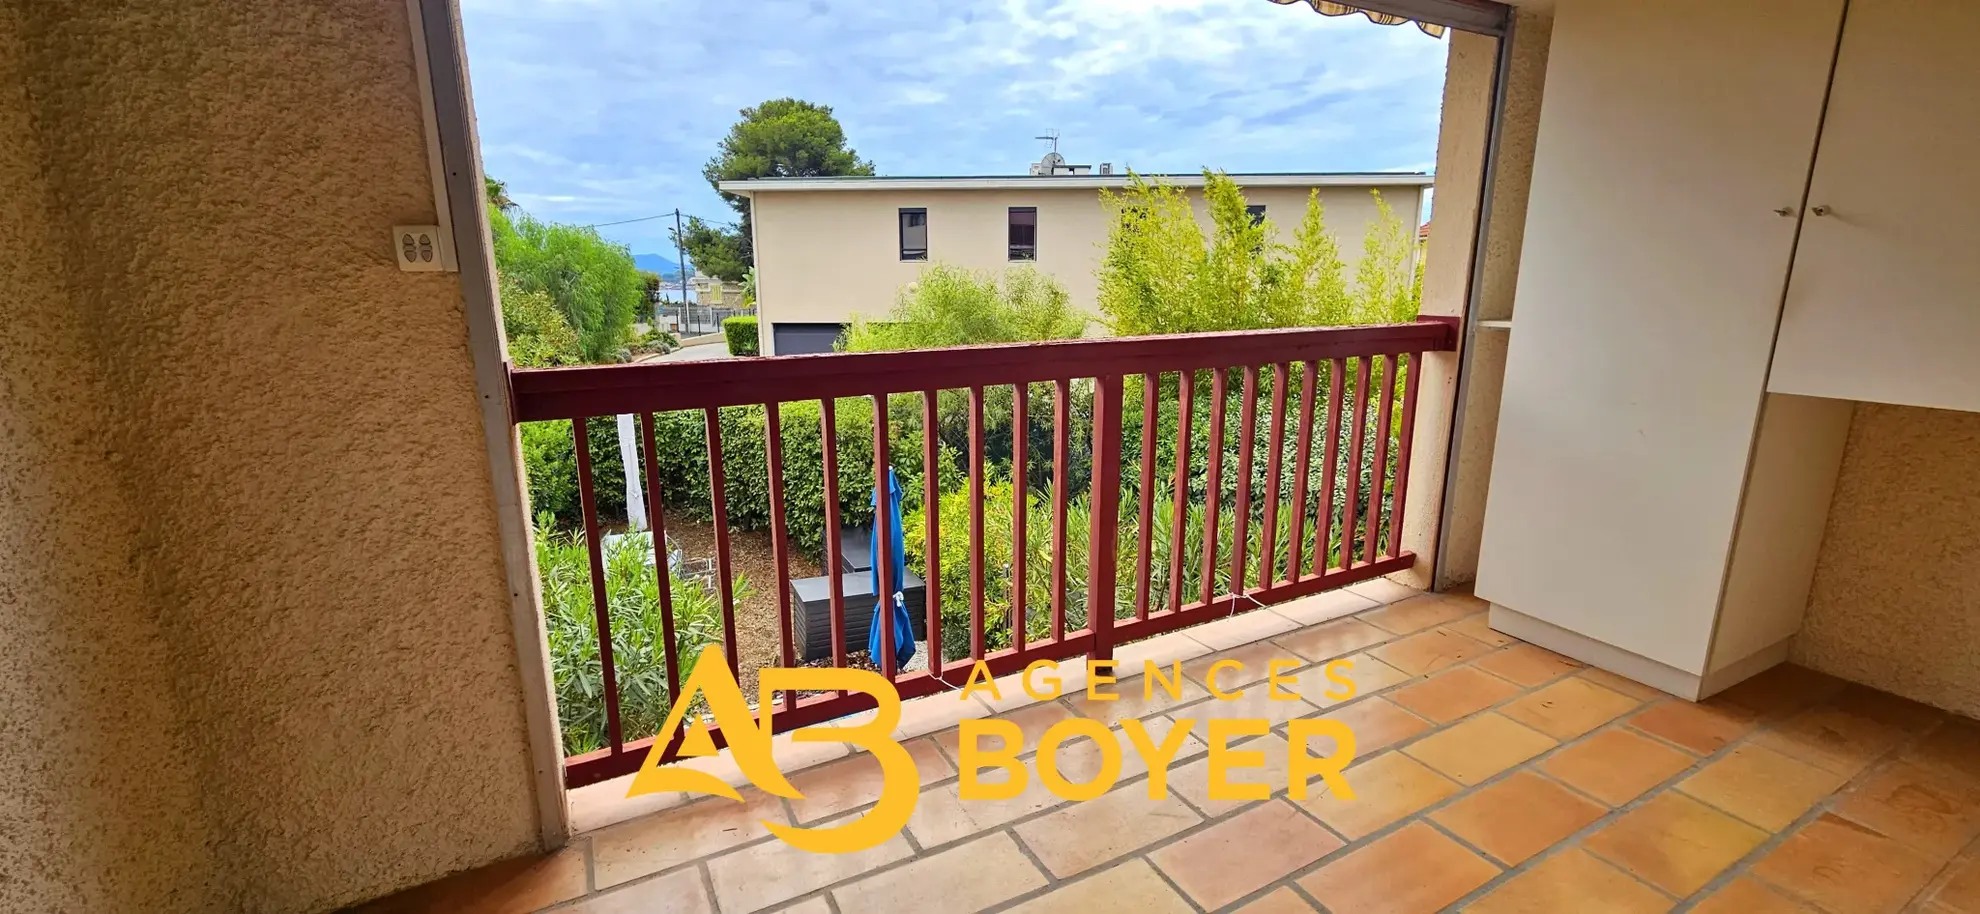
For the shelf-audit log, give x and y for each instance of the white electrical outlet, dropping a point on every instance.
(417, 248)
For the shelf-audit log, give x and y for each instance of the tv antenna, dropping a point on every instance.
(1051, 136)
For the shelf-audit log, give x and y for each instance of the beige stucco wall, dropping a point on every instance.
(1896, 600)
(1462, 136)
(306, 585)
(99, 806)
(825, 256)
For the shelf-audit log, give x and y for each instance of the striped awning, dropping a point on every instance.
(1327, 8)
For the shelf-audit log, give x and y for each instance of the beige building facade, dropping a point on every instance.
(830, 249)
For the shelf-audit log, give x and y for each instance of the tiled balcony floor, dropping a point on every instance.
(1493, 777)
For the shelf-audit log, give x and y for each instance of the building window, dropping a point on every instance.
(1024, 233)
(1257, 213)
(914, 233)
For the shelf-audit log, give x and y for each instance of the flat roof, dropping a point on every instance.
(1075, 182)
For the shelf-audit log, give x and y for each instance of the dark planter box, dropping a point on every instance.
(811, 607)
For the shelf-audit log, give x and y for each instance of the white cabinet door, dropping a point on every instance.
(1885, 300)
(1649, 288)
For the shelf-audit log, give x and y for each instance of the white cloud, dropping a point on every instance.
(598, 110)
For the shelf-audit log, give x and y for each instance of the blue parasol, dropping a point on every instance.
(896, 575)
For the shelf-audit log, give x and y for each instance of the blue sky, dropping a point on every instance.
(603, 110)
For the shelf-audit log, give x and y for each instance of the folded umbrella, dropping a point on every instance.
(896, 576)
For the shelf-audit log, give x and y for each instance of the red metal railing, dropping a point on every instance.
(1291, 558)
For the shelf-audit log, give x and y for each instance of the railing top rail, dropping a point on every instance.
(597, 390)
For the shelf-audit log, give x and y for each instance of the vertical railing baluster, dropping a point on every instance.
(719, 509)
(883, 541)
(1214, 484)
(1020, 508)
(1179, 499)
(835, 562)
(1412, 376)
(1103, 537)
(976, 557)
(1302, 464)
(1061, 499)
(1268, 557)
(931, 509)
(1145, 535)
(663, 574)
(780, 547)
(1241, 515)
(1323, 526)
(1385, 401)
(1357, 432)
(600, 607)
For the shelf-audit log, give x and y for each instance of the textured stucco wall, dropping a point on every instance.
(84, 687)
(296, 423)
(1461, 141)
(1896, 601)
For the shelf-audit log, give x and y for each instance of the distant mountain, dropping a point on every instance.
(664, 264)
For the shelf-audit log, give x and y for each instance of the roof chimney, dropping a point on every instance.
(1106, 168)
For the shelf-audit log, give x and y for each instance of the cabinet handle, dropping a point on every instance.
(1784, 211)
(1819, 210)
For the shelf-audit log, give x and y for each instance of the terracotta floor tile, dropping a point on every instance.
(1244, 853)
(925, 715)
(1191, 780)
(1954, 748)
(1417, 870)
(1842, 866)
(1454, 693)
(1256, 702)
(1032, 721)
(1332, 639)
(1079, 759)
(1616, 765)
(1475, 750)
(1781, 691)
(1569, 708)
(1572, 882)
(1961, 892)
(1415, 614)
(1382, 590)
(1377, 724)
(1243, 628)
(514, 886)
(1082, 836)
(1478, 628)
(633, 849)
(773, 872)
(1518, 817)
(1131, 888)
(1931, 811)
(1528, 665)
(941, 816)
(852, 782)
(1139, 697)
(1322, 607)
(968, 877)
(814, 905)
(1428, 652)
(675, 893)
(1762, 786)
(1162, 650)
(1368, 674)
(1253, 658)
(1698, 728)
(1883, 707)
(1387, 787)
(1674, 842)
(1283, 901)
(1745, 896)
(1832, 739)
(1618, 683)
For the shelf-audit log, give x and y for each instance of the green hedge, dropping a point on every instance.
(742, 335)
